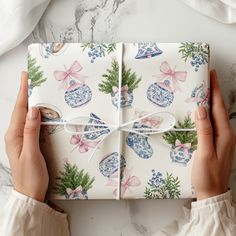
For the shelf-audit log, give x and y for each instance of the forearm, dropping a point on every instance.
(214, 216)
(24, 216)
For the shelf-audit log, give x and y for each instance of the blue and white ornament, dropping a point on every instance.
(181, 155)
(126, 99)
(109, 165)
(77, 96)
(147, 50)
(139, 143)
(159, 95)
(95, 120)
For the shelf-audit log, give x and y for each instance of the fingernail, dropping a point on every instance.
(33, 113)
(201, 113)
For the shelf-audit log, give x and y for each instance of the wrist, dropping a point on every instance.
(36, 196)
(206, 195)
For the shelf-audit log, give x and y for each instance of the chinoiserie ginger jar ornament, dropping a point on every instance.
(161, 93)
(77, 93)
(73, 183)
(109, 165)
(110, 85)
(147, 50)
(183, 143)
(181, 153)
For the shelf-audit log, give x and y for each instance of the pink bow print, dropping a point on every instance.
(124, 90)
(127, 182)
(198, 99)
(151, 121)
(185, 146)
(76, 193)
(71, 73)
(175, 77)
(82, 144)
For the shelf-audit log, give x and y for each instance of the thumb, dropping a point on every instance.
(204, 131)
(32, 130)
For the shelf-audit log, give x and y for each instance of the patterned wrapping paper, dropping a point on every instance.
(80, 82)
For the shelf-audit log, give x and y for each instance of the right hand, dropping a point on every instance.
(216, 147)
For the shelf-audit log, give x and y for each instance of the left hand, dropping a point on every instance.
(29, 170)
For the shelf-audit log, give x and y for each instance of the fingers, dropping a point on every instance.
(219, 113)
(31, 132)
(20, 110)
(204, 132)
(14, 135)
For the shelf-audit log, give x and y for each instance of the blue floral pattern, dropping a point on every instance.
(139, 143)
(159, 95)
(78, 96)
(95, 120)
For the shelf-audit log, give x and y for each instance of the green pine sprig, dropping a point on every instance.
(36, 75)
(71, 177)
(103, 48)
(187, 49)
(111, 78)
(169, 189)
(183, 136)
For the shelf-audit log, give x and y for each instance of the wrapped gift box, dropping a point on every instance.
(118, 119)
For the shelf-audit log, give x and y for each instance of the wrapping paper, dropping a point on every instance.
(118, 119)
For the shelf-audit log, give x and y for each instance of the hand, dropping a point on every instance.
(216, 145)
(29, 170)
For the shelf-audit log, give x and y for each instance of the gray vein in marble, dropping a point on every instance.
(93, 21)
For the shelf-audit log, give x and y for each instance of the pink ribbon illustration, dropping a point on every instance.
(127, 182)
(198, 99)
(175, 77)
(185, 146)
(82, 144)
(76, 193)
(72, 73)
(124, 90)
(151, 121)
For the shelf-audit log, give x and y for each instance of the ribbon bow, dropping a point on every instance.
(127, 182)
(175, 76)
(72, 73)
(81, 143)
(151, 121)
(185, 146)
(76, 193)
(123, 90)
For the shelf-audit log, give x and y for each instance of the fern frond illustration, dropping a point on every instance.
(162, 187)
(111, 79)
(183, 136)
(71, 178)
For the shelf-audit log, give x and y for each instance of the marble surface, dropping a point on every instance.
(114, 21)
